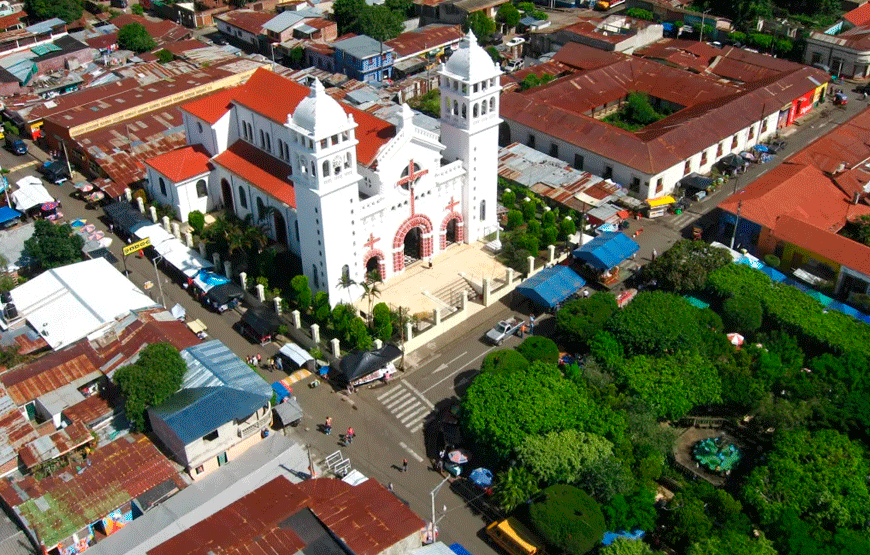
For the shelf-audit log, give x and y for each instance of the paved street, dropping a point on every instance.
(390, 420)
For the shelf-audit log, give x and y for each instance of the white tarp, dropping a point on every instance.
(295, 353)
(30, 194)
(176, 253)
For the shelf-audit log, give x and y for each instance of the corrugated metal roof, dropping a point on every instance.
(212, 364)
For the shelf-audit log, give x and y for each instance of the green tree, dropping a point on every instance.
(164, 57)
(732, 543)
(559, 457)
(371, 291)
(567, 228)
(40, 10)
(379, 22)
(341, 318)
(625, 546)
(508, 14)
(820, 476)
(549, 235)
(655, 323)
(322, 310)
(569, 519)
(743, 314)
(382, 323)
(536, 347)
(514, 219)
(494, 54)
(672, 385)
(639, 13)
(153, 378)
(504, 359)
(580, 319)
(195, 218)
(639, 110)
(635, 511)
(686, 265)
(515, 486)
(503, 407)
(301, 292)
(137, 9)
(481, 25)
(403, 7)
(346, 12)
(358, 335)
(54, 245)
(135, 37)
(296, 57)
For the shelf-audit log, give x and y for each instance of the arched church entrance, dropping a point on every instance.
(227, 192)
(413, 242)
(450, 236)
(280, 227)
(374, 268)
(452, 230)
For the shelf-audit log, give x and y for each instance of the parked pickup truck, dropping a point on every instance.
(503, 330)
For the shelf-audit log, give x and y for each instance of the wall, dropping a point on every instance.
(854, 63)
(199, 451)
(233, 453)
(167, 437)
(238, 34)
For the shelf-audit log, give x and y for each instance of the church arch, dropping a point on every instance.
(420, 228)
(374, 260)
(452, 230)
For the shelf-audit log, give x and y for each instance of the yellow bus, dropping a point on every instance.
(514, 538)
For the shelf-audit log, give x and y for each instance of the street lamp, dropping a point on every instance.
(157, 277)
(432, 494)
(736, 223)
(701, 34)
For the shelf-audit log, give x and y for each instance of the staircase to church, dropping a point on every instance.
(450, 293)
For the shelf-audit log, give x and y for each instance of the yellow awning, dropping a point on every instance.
(661, 201)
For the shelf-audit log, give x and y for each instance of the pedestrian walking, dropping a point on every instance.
(532, 323)
(655, 254)
(327, 425)
(259, 359)
(390, 486)
(404, 465)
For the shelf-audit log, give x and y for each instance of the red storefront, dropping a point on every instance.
(801, 106)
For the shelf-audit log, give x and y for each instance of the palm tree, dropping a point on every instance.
(370, 293)
(514, 487)
(346, 282)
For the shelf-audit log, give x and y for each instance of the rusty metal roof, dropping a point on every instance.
(54, 445)
(47, 374)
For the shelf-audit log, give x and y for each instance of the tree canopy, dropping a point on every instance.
(153, 378)
(560, 457)
(640, 327)
(481, 25)
(54, 245)
(568, 518)
(508, 14)
(40, 10)
(580, 319)
(381, 22)
(686, 265)
(536, 347)
(625, 546)
(135, 37)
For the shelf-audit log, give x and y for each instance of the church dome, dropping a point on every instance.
(318, 111)
(470, 62)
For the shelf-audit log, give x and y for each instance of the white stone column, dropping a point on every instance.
(188, 239)
(510, 276)
(176, 230)
(463, 301)
(153, 212)
(336, 347)
(243, 280)
(436, 315)
(551, 252)
(166, 224)
(531, 260)
(487, 291)
(228, 268)
(141, 204)
(378, 343)
(128, 194)
(202, 252)
(296, 318)
(261, 292)
(315, 334)
(409, 331)
(216, 258)
(277, 301)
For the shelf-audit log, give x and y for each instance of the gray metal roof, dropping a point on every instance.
(283, 21)
(45, 26)
(361, 47)
(212, 364)
(275, 456)
(196, 412)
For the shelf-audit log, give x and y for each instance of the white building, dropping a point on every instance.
(346, 191)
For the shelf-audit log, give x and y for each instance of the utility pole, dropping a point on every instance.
(432, 495)
(736, 223)
(703, 15)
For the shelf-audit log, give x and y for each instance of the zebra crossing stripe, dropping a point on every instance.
(396, 389)
(413, 416)
(403, 403)
(408, 410)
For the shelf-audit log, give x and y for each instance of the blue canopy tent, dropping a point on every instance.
(775, 275)
(551, 286)
(846, 309)
(7, 213)
(607, 250)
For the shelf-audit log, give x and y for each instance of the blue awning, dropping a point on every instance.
(775, 275)
(607, 250)
(551, 286)
(8, 213)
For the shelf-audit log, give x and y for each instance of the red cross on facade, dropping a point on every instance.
(371, 242)
(409, 180)
(451, 206)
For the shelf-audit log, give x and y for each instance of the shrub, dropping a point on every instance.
(639, 13)
(382, 324)
(549, 218)
(567, 228)
(534, 228)
(772, 260)
(569, 519)
(580, 319)
(196, 219)
(549, 235)
(540, 348)
(301, 292)
(529, 208)
(508, 198)
(514, 219)
(504, 359)
(743, 314)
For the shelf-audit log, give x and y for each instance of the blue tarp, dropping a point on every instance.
(280, 390)
(775, 275)
(459, 550)
(8, 213)
(610, 537)
(607, 250)
(551, 286)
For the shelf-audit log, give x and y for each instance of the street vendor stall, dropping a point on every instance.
(605, 252)
(551, 286)
(360, 367)
(659, 206)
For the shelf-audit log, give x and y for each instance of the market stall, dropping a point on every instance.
(659, 206)
(362, 367)
(551, 286)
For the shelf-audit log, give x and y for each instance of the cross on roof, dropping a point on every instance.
(371, 242)
(451, 206)
(413, 174)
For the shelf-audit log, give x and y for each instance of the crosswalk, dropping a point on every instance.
(681, 220)
(408, 405)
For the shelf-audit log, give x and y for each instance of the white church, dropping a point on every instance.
(348, 192)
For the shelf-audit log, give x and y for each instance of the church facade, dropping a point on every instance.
(347, 192)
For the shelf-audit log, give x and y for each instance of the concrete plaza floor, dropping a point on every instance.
(422, 289)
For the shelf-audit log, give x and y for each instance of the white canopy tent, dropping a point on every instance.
(176, 253)
(31, 192)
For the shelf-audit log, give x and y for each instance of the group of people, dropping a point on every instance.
(348, 436)
(273, 363)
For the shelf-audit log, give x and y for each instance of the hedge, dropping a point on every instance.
(791, 310)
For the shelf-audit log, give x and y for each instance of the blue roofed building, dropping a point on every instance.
(363, 58)
(222, 409)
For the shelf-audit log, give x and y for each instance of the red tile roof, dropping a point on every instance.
(858, 16)
(117, 472)
(847, 146)
(93, 408)
(842, 250)
(183, 163)
(185, 45)
(11, 20)
(424, 38)
(163, 31)
(367, 518)
(276, 97)
(211, 108)
(261, 170)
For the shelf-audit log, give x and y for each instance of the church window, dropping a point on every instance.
(201, 189)
(268, 142)
(482, 210)
(483, 108)
(313, 169)
(315, 276)
(335, 139)
(262, 139)
(261, 210)
(323, 143)
(475, 87)
(347, 161)
(162, 187)
(243, 201)
(325, 168)
(464, 111)
(345, 273)
(475, 109)
(492, 104)
(336, 166)
(455, 108)
(405, 184)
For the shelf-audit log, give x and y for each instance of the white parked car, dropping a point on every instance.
(513, 65)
